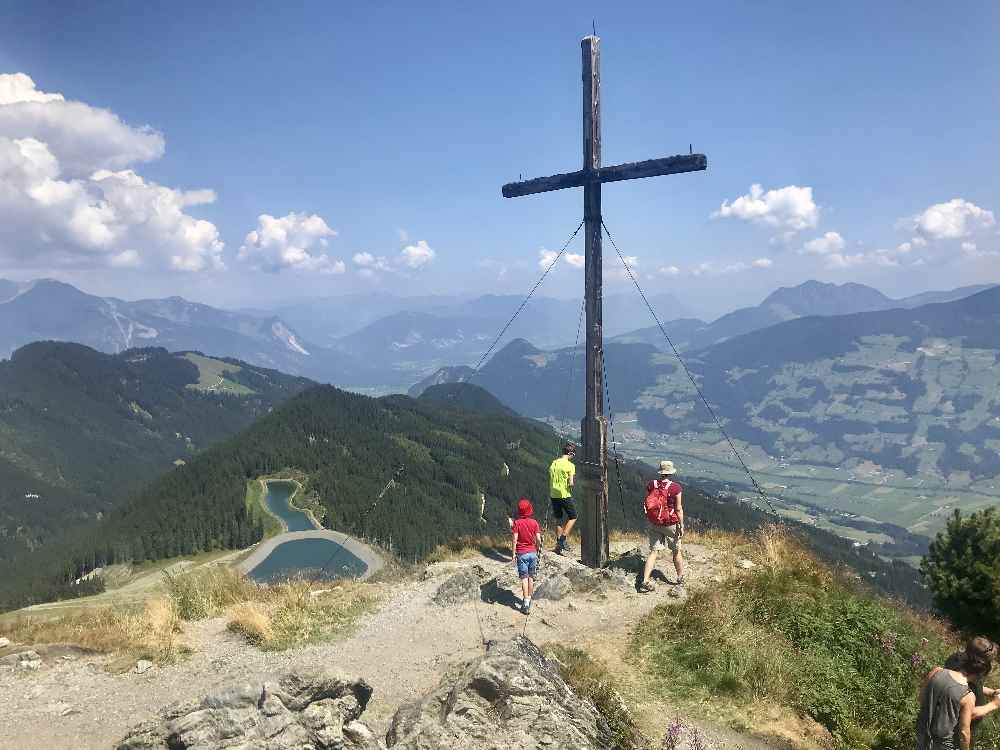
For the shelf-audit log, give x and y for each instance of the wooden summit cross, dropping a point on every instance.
(593, 489)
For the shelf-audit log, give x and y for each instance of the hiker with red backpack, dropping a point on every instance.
(664, 509)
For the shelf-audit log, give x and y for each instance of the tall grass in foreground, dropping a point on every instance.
(148, 631)
(269, 616)
(594, 681)
(273, 616)
(794, 633)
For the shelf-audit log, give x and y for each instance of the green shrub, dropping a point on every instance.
(791, 632)
(592, 680)
(962, 569)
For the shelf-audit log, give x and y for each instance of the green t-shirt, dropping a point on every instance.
(561, 471)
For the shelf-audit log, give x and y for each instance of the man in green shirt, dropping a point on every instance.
(562, 474)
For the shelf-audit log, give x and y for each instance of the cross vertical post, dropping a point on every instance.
(593, 491)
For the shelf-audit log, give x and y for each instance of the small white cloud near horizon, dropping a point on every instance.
(840, 261)
(831, 242)
(972, 251)
(413, 257)
(669, 271)
(788, 210)
(417, 256)
(762, 263)
(293, 242)
(951, 220)
(69, 200)
(547, 257)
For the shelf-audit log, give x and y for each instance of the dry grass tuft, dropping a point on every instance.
(251, 621)
(593, 680)
(466, 547)
(272, 617)
(296, 612)
(209, 591)
(148, 632)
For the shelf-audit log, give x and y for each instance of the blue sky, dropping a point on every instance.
(377, 136)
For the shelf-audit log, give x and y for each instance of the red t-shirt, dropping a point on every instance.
(526, 529)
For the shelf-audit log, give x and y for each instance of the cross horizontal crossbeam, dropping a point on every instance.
(631, 171)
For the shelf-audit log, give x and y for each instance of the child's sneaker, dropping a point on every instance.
(646, 588)
(526, 607)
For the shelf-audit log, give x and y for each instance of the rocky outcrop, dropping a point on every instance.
(302, 712)
(463, 586)
(510, 697)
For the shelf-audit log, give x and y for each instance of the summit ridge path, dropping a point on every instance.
(402, 650)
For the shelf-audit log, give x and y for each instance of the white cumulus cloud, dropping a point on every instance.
(82, 138)
(831, 242)
(412, 257)
(546, 258)
(295, 242)
(951, 220)
(67, 198)
(788, 209)
(670, 271)
(417, 256)
(762, 263)
(840, 261)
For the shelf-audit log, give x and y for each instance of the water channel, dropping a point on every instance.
(314, 558)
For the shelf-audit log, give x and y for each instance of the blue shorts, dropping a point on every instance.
(527, 565)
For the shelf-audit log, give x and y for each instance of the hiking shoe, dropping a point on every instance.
(526, 608)
(646, 588)
(680, 580)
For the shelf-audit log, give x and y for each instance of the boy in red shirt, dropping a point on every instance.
(525, 543)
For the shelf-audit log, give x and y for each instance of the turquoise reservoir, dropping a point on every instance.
(318, 559)
(277, 497)
(315, 559)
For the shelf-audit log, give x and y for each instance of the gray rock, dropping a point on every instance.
(4, 642)
(28, 661)
(315, 711)
(511, 697)
(554, 588)
(462, 587)
(746, 564)
(143, 665)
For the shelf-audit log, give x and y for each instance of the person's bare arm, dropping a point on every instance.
(513, 545)
(965, 721)
(572, 479)
(987, 708)
(680, 513)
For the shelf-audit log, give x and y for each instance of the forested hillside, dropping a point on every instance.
(444, 456)
(80, 430)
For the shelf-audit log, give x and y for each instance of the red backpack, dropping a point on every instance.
(661, 507)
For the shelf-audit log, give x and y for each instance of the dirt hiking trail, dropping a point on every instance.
(402, 649)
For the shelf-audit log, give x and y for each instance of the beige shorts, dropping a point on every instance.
(664, 537)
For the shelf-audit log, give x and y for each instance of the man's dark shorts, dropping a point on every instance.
(563, 506)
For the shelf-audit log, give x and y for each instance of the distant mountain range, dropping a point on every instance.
(911, 391)
(382, 341)
(788, 303)
(51, 310)
(80, 429)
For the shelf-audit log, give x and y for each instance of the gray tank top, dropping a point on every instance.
(937, 723)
